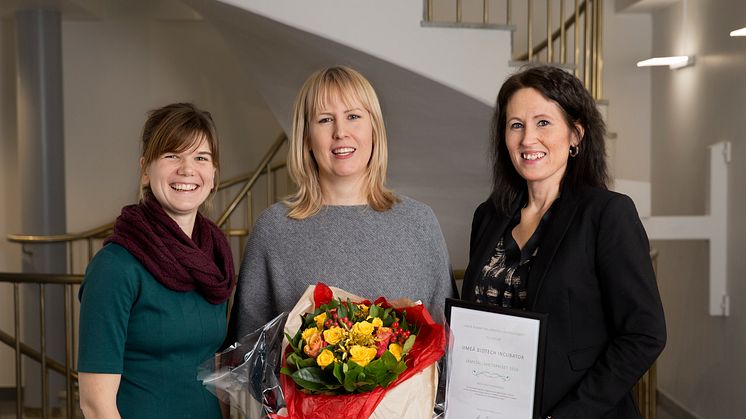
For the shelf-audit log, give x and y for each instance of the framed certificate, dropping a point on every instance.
(495, 361)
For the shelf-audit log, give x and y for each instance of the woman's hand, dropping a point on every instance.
(98, 395)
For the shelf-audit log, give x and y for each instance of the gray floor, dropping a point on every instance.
(7, 411)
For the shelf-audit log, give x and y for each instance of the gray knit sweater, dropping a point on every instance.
(396, 253)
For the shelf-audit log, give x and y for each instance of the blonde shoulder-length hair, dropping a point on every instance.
(318, 90)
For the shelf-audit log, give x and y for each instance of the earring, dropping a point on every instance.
(574, 150)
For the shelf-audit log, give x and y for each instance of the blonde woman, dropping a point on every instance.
(343, 226)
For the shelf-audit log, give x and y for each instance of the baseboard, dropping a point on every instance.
(673, 406)
(7, 393)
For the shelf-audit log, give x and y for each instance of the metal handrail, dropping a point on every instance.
(587, 64)
(556, 34)
(94, 233)
(245, 177)
(104, 230)
(263, 166)
(47, 363)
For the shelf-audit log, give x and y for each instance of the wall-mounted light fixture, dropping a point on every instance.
(673, 61)
(739, 32)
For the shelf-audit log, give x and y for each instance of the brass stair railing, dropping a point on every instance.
(225, 220)
(267, 168)
(585, 21)
(66, 368)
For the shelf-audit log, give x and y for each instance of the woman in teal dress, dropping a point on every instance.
(153, 301)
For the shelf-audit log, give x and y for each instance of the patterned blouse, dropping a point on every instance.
(504, 279)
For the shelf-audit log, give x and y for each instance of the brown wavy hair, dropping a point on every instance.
(175, 128)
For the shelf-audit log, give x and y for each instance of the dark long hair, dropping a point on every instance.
(588, 168)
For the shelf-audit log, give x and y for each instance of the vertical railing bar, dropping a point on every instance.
(274, 186)
(17, 326)
(269, 186)
(586, 44)
(71, 298)
(429, 15)
(68, 351)
(549, 31)
(599, 51)
(69, 250)
(90, 249)
(248, 211)
(485, 12)
(594, 46)
(577, 38)
(509, 13)
(563, 34)
(250, 198)
(227, 224)
(43, 346)
(458, 11)
(530, 30)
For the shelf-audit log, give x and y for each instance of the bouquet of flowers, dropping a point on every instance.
(341, 357)
(346, 357)
(344, 347)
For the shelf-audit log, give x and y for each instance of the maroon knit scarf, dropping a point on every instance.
(203, 262)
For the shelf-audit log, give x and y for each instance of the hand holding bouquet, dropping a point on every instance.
(345, 347)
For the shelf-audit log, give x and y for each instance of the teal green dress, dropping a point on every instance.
(154, 337)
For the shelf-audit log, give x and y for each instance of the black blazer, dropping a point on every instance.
(594, 277)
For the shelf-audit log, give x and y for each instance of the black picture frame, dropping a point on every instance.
(500, 313)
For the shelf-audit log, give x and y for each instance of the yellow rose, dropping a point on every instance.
(362, 329)
(396, 350)
(334, 335)
(308, 333)
(362, 355)
(325, 358)
(377, 322)
(320, 319)
(364, 308)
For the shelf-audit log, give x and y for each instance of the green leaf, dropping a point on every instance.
(408, 344)
(307, 362)
(376, 371)
(294, 360)
(351, 376)
(342, 311)
(388, 360)
(403, 323)
(338, 372)
(311, 375)
(388, 380)
(291, 341)
(375, 311)
(399, 367)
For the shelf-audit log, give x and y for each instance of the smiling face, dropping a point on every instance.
(182, 181)
(538, 137)
(341, 140)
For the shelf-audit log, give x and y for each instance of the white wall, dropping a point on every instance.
(627, 39)
(464, 59)
(703, 365)
(118, 68)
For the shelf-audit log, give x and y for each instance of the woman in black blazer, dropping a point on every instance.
(552, 239)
